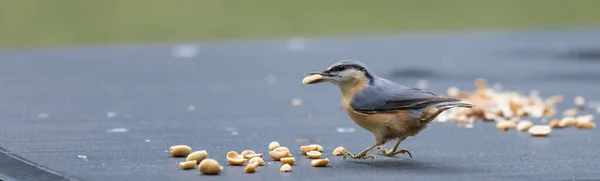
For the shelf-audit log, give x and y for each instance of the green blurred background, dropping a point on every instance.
(35, 23)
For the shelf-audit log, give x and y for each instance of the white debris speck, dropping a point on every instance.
(111, 114)
(103, 164)
(345, 130)
(296, 102)
(453, 91)
(497, 87)
(234, 133)
(83, 157)
(579, 101)
(185, 51)
(117, 130)
(147, 141)
(191, 107)
(296, 44)
(469, 125)
(422, 84)
(271, 79)
(43, 115)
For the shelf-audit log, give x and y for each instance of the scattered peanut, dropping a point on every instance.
(251, 167)
(288, 160)
(312, 147)
(283, 148)
(180, 150)
(253, 155)
(339, 151)
(247, 152)
(524, 125)
(313, 154)
(198, 156)
(567, 121)
(235, 159)
(277, 155)
(285, 168)
(505, 125)
(312, 79)
(319, 162)
(586, 125)
(273, 145)
(258, 160)
(540, 130)
(554, 123)
(570, 112)
(585, 118)
(209, 166)
(188, 164)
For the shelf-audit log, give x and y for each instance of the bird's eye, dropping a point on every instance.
(338, 68)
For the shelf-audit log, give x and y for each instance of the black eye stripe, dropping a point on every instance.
(340, 68)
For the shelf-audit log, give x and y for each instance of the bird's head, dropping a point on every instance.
(345, 72)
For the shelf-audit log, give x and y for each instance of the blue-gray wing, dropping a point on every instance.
(386, 96)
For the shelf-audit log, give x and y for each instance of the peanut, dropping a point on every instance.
(247, 152)
(554, 123)
(319, 162)
(235, 159)
(251, 167)
(197, 155)
(277, 155)
(313, 154)
(273, 145)
(570, 112)
(312, 147)
(312, 79)
(180, 150)
(253, 155)
(505, 125)
(540, 130)
(585, 118)
(283, 148)
(586, 125)
(209, 166)
(285, 168)
(188, 164)
(339, 151)
(567, 121)
(258, 160)
(524, 125)
(288, 160)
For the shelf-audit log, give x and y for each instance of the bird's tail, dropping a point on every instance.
(433, 111)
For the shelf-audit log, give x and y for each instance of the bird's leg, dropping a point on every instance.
(393, 151)
(362, 154)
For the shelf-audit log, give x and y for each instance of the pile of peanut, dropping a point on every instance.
(513, 110)
(252, 159)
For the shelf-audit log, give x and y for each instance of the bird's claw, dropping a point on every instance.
(390, 153)
(358, 156)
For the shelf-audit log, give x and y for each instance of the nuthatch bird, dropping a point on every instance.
(388, 110)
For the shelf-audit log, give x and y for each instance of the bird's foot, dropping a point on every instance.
(358, 155)
(393, 152)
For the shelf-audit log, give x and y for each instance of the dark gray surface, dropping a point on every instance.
(150, 91)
